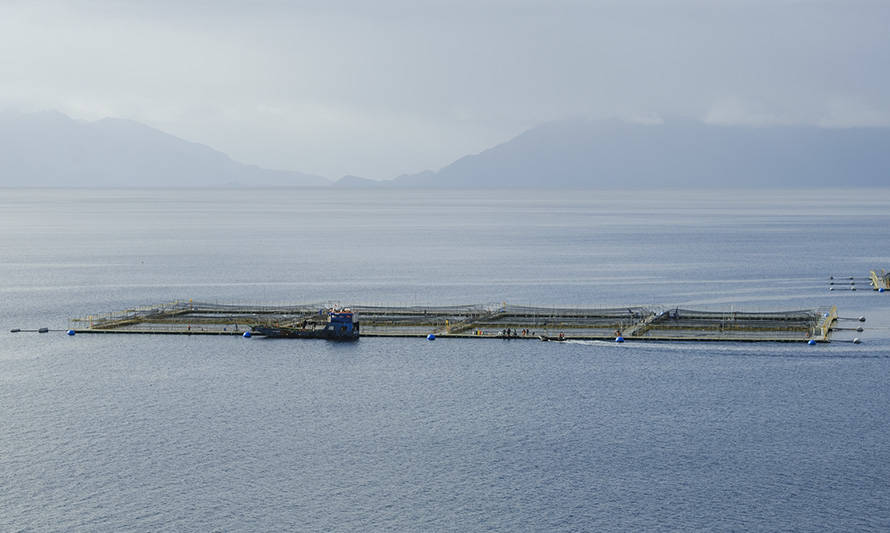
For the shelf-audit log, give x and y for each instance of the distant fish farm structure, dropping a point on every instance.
(878, 281)
(500, 321)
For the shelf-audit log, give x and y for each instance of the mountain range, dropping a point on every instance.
(677, 154)
(51, 149)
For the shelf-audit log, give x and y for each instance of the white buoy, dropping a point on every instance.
(862, 319)
(856, 340)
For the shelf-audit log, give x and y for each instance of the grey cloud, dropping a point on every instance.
(383, 88)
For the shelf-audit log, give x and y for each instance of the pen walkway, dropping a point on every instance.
(478, 322)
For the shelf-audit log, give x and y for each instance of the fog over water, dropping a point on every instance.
(393, 87)
(224, 433)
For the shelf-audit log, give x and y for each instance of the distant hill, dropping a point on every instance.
(357, 182)
(49, 149)
(678, 154)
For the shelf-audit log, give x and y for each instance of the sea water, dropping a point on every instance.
(118, 432)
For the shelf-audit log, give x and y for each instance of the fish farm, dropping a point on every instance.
(500, 321)
(878, 281)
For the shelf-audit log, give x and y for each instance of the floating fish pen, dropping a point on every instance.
(474, 321)
(880, 281)
(877, 280)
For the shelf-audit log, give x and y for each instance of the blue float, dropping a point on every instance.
(619, 338)
(430, 337)
(811, 342)
(881, 289)
(70, 332)
(246, 335)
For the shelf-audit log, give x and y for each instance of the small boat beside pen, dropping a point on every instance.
(341, 326)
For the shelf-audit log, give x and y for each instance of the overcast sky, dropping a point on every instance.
(380, 88)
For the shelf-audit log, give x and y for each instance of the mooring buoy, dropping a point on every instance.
(811, 342)
(430, 337)
(619, 338)
(246, 335)
(70, 332)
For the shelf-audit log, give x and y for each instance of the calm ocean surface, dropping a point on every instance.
(148, 433)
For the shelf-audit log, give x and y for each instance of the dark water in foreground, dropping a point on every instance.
(201, 433)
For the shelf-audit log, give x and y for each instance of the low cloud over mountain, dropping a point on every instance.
(49, 149)
(673, 154)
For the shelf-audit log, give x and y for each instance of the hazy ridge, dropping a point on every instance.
(49, 149)
(677, 154)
